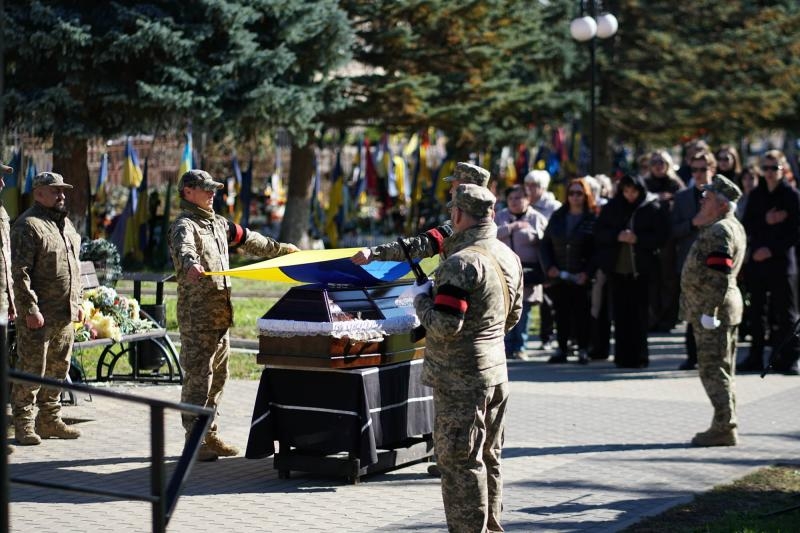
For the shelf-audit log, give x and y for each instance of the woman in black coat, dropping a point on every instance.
(566, 254)
(628, 233)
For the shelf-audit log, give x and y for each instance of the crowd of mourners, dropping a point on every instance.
(613, 251)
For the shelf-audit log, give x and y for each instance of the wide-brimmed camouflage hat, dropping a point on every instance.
(469, 173)
(51, 179)
(722, 185)
(199, 178)
(473, 199)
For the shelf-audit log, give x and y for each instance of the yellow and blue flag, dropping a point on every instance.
(331, 266)
(131, 172)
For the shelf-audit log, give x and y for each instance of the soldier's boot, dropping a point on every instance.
(220, 447)
(56, 429)
(24, 433)
(716, 437)
(206, 454)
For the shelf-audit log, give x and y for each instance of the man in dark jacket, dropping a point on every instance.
(684, 228)
(773, 229)
(628, 234)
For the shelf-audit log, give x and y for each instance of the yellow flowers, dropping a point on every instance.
(107, 315)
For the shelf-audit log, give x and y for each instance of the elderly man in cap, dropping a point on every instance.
(429, 243)
(712, 303)
(6, 285)
(199, 241)
(47, 295)
(477, 300)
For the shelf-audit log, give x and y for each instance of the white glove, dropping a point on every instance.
(425, 288)
(710, 322)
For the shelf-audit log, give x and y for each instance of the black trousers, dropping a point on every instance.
(629, 304)
(773, 308)
(573, 317)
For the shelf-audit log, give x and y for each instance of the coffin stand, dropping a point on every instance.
(341, 389)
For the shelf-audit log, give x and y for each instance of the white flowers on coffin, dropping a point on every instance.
(344, 325)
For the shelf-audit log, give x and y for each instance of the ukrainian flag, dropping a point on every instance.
(131, 172)
(186, 157)
(332, 266)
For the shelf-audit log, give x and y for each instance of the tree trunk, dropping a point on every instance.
(70, 160)
(294, 228)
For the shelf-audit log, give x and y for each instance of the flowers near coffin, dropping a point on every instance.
(109, 315)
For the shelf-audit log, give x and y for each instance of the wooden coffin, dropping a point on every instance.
(338, 309)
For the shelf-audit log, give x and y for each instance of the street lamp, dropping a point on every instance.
(586, 28)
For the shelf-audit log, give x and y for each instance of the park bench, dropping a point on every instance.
(151, 355)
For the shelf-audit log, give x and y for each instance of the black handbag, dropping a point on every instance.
(532, 274)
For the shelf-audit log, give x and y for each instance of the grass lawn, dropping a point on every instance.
(744, 506)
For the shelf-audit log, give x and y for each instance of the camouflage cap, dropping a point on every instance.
(5, 169)
(473, 199)
(722, 185)
(469, 173)
(51, 179)
(199, 178)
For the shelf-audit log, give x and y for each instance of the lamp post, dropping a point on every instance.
(586, 28)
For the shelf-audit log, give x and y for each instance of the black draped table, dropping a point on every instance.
(380, 417)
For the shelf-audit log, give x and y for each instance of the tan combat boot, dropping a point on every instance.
(220, 447)
(24, 433)
(716, 437)
(56, 429)
(206, 454)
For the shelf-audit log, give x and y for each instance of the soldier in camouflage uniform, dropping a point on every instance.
(199, 241)
(712, 303)
(47, 292)
(429, 243)
(6, 285)
(478, 298)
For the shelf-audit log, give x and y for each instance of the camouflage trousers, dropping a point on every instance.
(42, 352)
(204, 359)
(716, 362)
(468, 438)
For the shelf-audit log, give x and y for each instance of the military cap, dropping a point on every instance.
(199, 178)
(722, 185)
(473, 199)
(469, 173)
(5, 169)
(44, 179)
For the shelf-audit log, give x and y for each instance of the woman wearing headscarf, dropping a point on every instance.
(628, 233)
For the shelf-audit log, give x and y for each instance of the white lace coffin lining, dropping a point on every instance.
(351, 328)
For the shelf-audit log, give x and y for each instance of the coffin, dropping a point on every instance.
(340, 327)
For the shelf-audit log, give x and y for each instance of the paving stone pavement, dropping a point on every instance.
(588, 448)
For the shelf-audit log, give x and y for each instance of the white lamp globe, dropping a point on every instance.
(583, 28)
(607, 25)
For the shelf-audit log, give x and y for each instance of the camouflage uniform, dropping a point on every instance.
(6, 284)
(204, 308)
(466, 320)
(708, 287)
(46, 275)
(429, 243)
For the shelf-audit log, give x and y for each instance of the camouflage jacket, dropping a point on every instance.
(426, 244)
(45, 267)
(6, 284)
(708, 278)
(200, 237)
(466, 317)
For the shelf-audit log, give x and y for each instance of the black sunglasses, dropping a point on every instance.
(696, 170)
(773, 168)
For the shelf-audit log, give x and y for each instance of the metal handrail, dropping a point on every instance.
(163, 495)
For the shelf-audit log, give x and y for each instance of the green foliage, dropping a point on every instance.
(104, 255)
(688, 68)
(480, 71)
(106, 68)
